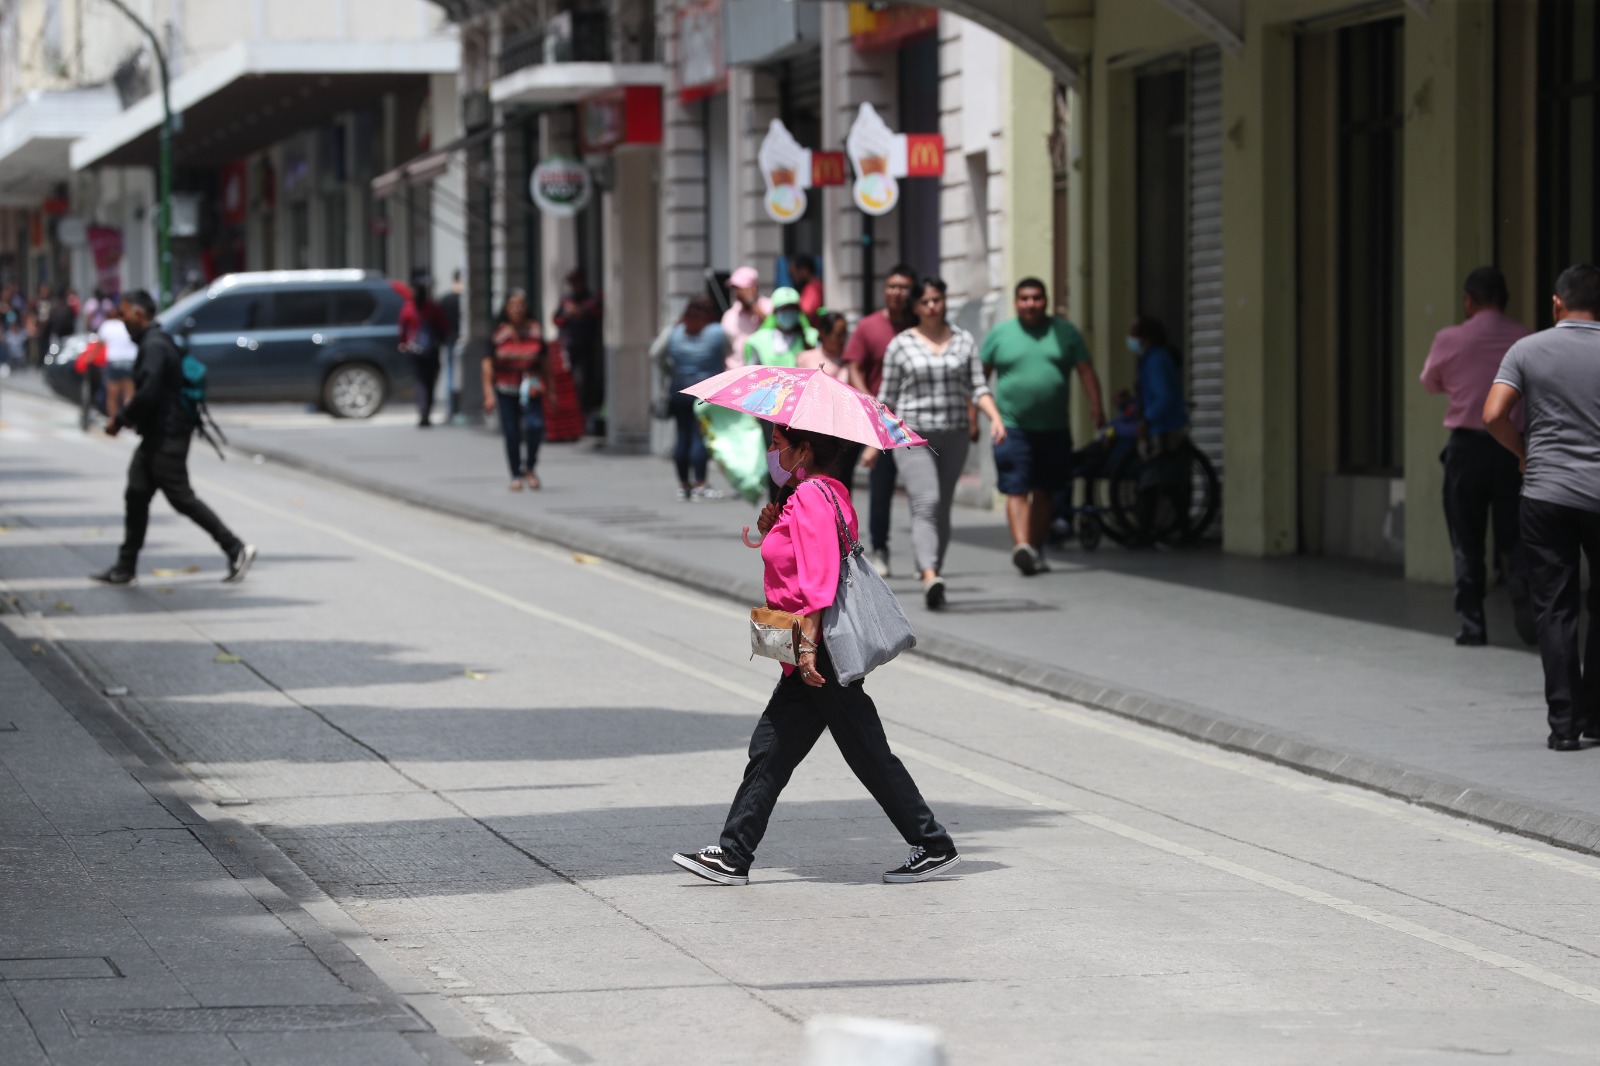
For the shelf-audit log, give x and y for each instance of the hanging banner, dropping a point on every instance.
(786, 168)
(700, 71)
(560, 187)
(105, 244)
(881, 157)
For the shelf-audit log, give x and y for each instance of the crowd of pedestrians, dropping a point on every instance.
(28, 327)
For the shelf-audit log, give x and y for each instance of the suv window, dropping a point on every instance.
(225, 314)
(299, 310)
(353, 307)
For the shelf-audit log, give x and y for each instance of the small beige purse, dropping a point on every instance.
(775, 635)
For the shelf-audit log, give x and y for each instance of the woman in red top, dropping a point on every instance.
(518, 355)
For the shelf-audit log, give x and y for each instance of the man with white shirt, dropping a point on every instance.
(1556, 375)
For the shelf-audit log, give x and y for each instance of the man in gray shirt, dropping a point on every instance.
(1556, 373)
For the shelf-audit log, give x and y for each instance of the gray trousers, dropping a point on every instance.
(930, 476)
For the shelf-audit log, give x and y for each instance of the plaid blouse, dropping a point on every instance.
(931, 390)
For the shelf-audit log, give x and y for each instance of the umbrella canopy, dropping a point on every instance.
(808, 400)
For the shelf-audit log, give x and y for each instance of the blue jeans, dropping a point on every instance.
(521, 427)
(880, 489)
(689, 451)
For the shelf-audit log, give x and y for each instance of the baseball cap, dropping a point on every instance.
(744, 278)
(784, 296)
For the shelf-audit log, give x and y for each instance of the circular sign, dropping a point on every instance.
(785, 203)
(876, 193)
(560, 186)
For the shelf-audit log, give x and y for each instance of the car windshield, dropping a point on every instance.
(174, 315)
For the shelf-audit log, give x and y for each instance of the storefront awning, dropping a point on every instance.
(257, 93)
(550, 84)
(36, 140)
(422, 169)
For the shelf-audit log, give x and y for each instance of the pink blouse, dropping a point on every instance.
(801, 552)
(817, 359)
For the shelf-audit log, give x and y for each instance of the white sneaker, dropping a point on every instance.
(880, 563)
(706, 492)
(1024, 558)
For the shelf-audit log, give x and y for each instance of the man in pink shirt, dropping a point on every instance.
(1479, 476)
(748, 313)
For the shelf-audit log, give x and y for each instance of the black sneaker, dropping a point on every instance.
(239, 564)
(710, 864)
(921, 865)
(116, 576)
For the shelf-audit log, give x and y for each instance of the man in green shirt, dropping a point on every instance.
(784, 335)
(1028, 359)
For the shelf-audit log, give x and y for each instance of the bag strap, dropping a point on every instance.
(847, 543)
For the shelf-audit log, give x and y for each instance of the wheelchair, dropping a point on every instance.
(1139, 493)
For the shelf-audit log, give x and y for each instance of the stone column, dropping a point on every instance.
(632, 292)
(1447, 230)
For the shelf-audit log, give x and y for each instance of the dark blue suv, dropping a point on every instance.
(310, 336)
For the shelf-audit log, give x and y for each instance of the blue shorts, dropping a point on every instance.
(119, 371)
(1033, 459)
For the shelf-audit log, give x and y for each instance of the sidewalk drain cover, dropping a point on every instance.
(352, 1017)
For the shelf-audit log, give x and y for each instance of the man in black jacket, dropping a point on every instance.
(165, 425)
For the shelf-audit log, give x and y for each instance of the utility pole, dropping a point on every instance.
(164, 181)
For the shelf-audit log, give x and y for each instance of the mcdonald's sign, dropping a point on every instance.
(827, 168)
(924, 155)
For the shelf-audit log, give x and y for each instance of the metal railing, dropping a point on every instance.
(571, 37)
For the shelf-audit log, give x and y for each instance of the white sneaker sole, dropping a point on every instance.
(249, 559)
(892, 878)
(710, 875)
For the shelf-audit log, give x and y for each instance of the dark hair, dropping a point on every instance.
(1579, 288)
(701, 303)
(1149, 329)
(1486, 286)
(803, 261)
(1031, 282)
(145, 302)
(901, 270)
(505, 308)
(937, 284)
(826, 323)
(828, 454)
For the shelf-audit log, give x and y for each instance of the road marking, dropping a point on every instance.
(1377, 917)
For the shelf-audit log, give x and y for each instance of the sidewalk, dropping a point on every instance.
(135, 930)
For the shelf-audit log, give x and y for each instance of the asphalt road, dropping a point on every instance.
(484, 749)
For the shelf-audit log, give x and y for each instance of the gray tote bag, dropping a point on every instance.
(865, 627)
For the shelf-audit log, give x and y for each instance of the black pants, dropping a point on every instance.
(521, 428)
(795, 717)
(425, 372)
(689, 450)
(1480, 478)
(880, 507)
(1554, 537)
(165, 466)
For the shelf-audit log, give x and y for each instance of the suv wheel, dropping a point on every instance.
(355, 390)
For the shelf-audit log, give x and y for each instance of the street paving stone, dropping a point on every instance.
(1126, 895)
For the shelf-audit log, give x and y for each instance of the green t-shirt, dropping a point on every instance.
(1031, 369)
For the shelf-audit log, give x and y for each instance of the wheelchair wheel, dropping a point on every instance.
(1090, 529)
(1171, 498)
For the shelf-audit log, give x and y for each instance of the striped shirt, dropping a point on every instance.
(932, 390)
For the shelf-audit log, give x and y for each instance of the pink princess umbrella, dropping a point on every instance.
(806, 399)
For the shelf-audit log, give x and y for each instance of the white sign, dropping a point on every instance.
(72, 231)
(786, 168)
(561, 187)
(872, 147)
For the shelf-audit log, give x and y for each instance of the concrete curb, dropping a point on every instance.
(1551, 824)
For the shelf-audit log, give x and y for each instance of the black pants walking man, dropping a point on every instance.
(1481, 480)
(165, 413)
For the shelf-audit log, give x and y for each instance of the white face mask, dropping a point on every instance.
(775, 467)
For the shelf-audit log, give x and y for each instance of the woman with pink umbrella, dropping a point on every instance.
(815, 420)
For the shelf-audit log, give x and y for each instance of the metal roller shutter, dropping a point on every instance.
(1205, 345)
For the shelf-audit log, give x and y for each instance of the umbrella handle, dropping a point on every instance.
(748, 543)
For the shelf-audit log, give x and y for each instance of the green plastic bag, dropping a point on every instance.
(734, 440)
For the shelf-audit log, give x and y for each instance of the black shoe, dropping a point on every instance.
(710, 864)
(239, 563)
(933, 594)
(921, 865)
(1472, 638)
(1522, 612)
(1560, 743)
(116, 576)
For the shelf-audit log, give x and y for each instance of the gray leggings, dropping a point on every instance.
(931, 488)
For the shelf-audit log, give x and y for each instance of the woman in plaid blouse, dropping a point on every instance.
(931, 377)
